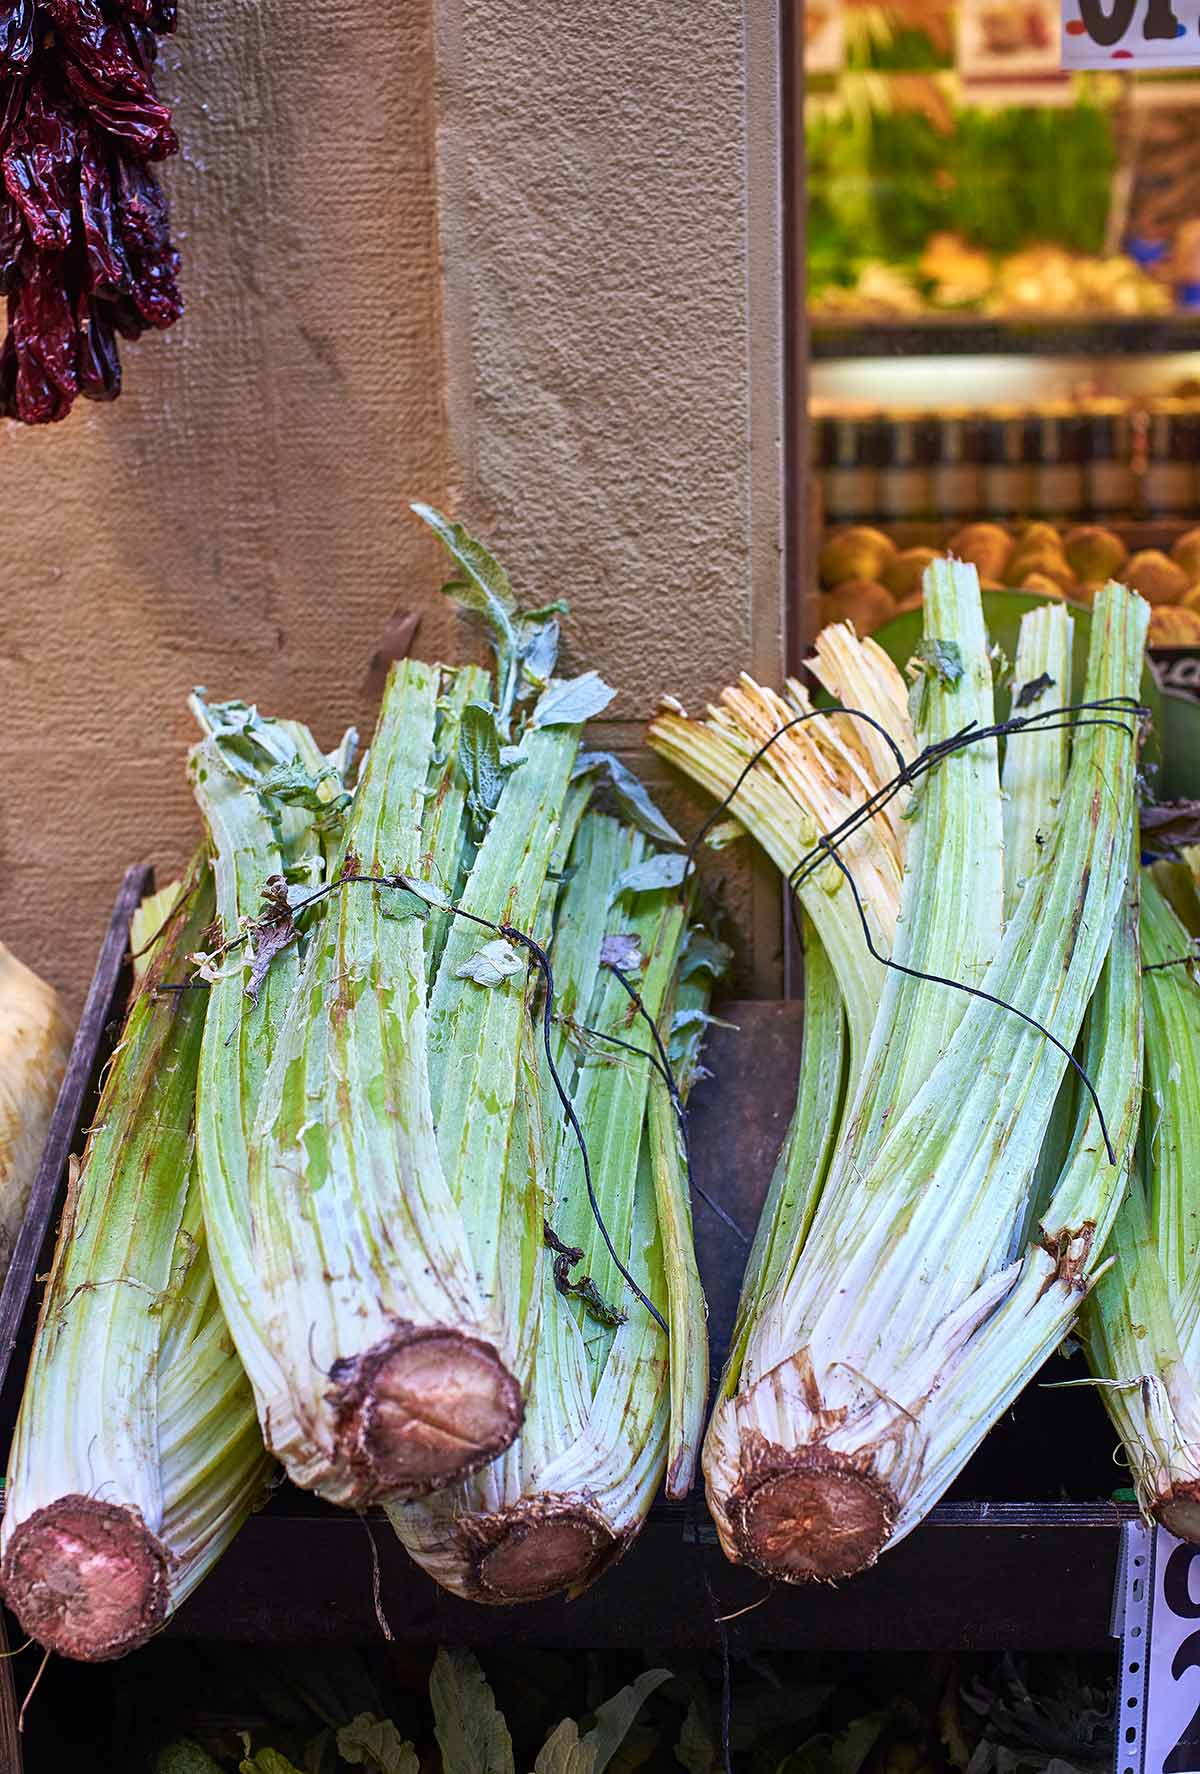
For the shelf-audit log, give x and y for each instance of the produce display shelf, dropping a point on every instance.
(990, 1568)
(976, 335)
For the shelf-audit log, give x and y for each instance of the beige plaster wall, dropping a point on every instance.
(238, 519)
(609, 317)
(610, 219)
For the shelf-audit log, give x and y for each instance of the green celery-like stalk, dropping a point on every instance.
(475, 1036)
(611, 1407)
(446, 851)
(136, 1455)
(241, 770)
(1035, 768)
(810, 778)
(1142, 1322)
(804, 1158)
(686, 1015)
(867, 1378)
(362, 1280)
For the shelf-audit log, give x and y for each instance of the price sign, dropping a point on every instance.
(1131, 34)
(1157, 1617)
(1177, 669)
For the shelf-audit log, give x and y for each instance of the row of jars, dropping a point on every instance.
(1095, 459)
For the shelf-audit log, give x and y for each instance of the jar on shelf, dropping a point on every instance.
(845, 456)
(907, 446)
(1108, 464)
(1172, 457)
(956, 471)
(1058, 468)
(1009, 446)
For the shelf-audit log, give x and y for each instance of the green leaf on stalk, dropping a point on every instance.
(652, 875)
(401, 903)
(486, 588)
(572, 701)
(482, 764)
(491, 965)
(426, 892)
(539, 637)
(941, 659)
(629, 794)
(322, 793)
(704, 954)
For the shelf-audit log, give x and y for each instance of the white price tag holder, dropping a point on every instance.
(1156, 1616)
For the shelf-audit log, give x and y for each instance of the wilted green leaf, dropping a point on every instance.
(270, 933)
(471, 1731)
(486, 589)
(402, 903)
(652, 875)
(491, 965)
(642, 1742)
(563, 1753)
(375, 1744)
(426, 892)
(323, 794)
(629, 794)
(622, 949)
(615, 1717)
(269, 1761)
(482, 765)
(697, 1749)
(725, 832)
(184, 1757)
(851, 1747)
(942, 659)
(688, 1021)
(539, 637)
(704, 954)
(573, 701)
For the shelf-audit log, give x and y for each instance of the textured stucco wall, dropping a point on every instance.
(239, 518)
(609, 211)
(609, 319)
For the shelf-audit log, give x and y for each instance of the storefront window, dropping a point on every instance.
(1003, 287)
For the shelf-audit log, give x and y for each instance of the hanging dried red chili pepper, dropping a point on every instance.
(85, 251)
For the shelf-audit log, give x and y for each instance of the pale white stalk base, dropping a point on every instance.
(35, 1040)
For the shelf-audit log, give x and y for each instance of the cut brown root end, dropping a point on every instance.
(424, 1409)
(1180, 1512)
(86, 1579)
(542, 1549)
(815, 1524)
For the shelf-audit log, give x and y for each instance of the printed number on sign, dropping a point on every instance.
(1107, 25)
(1130, 34)
(1180, 1604)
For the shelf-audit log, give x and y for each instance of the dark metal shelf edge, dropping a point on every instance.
(943, 336)
(34, 1240)
(1046, 1586)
